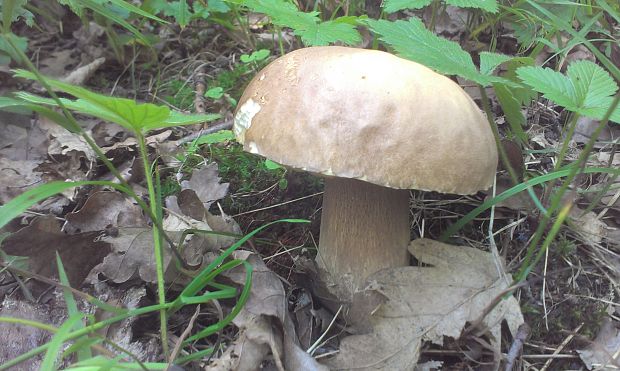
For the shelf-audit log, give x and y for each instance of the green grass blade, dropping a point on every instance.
(21, 203)
(55, 345)
(83, 353)
(511, 192)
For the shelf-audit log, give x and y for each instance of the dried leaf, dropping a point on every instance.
(603, 354)
(426, 304)
(81, 74)
(264, 324)
(206, 183)
(102, 210)
(22, 338)
(20, 139)
(42, 239)
(17, 177)
(132, 253)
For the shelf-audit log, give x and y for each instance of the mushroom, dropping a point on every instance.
(375, 126)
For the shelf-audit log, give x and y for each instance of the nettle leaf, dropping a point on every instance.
(325, 33)
(411, 40)
(308, 26)
(392, 6)
(488, 5)
(490, 61)
(12, 11)
(586, 88)
(593, 85)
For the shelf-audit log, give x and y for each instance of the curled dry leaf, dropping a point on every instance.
(265, 325)
(417, 304)
(133, 255)
(80, 75)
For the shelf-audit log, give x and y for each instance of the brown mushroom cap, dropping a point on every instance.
(367, 115)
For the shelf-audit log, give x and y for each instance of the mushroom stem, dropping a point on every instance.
(364, 228)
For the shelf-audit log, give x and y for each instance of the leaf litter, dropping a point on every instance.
(407, 306)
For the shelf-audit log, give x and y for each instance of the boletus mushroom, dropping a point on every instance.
(375, 126)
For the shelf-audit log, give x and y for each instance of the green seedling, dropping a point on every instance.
(256, 56)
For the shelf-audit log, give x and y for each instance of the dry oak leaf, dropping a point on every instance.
(103, 209)
(426, 304)
(265, 327)
(206, 183)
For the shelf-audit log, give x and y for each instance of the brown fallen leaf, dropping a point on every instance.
(265, 325)
(132, 254)
(105, 209)
(42, 239)
(603, 354)
(80, 75)
(22, 338)
(21, 139)
(427, 304)
(206, 183)
(17, 176)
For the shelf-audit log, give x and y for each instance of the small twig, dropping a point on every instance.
(277, 205)
(517, 345)
(561, 347)
(318, 341)
(226, 125)
(184, 335)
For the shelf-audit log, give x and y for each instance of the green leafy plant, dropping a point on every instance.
(586, 89)
(184, 12)
(392, 6)
(308, 26)
(11, 11)
(410, 39)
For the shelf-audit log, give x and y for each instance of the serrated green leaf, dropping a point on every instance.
(553, 85)
(523, 94)
(587, 88)
(305, 25)
(411, 40)
(392, 6)
(182, 13)
(490, 61)
(325, 33)
(488, 5)
(23, 107)
(12, 10)
(593, 85)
